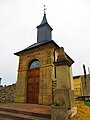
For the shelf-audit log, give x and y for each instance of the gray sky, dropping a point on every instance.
(70, 20)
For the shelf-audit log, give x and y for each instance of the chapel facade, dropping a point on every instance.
(45, 71)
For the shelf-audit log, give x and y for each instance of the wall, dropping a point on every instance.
(7, 94)
(78, 86)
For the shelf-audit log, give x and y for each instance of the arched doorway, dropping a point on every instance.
(33, 82)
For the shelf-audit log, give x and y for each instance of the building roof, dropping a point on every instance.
(44, 22)
(36, 45)
(44, 30)
(76, 76)
(87, 75)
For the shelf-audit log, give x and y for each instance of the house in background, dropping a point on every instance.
(81, 85)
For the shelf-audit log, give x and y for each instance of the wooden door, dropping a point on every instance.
(33, 85)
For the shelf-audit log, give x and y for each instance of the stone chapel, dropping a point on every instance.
(44, 71)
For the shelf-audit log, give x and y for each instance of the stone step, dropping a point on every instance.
(44, 115)
(19, 111)
(22, 115)
(16, 116)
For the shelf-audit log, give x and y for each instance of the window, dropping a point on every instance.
(34, 64)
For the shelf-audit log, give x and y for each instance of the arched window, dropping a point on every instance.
(34, 64)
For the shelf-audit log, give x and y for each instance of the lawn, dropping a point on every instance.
(87, 103)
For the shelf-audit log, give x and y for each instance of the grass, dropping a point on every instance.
(59, 104)
(87, 103)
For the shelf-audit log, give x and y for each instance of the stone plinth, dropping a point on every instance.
(64, 93)
(59, 113)
(64, 96)
(62, 113)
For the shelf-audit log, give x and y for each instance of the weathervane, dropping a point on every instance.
(44, 9)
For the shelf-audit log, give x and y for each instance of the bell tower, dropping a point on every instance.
(44, 30)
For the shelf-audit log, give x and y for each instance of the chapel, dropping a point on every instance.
(44, 71)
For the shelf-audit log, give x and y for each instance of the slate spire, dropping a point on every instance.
(44, 20)
(44, 30)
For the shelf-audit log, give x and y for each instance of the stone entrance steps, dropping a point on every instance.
(13, 113)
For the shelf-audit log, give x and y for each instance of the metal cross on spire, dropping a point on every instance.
(44, 9)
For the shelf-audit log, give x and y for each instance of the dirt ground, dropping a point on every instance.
(83, 112)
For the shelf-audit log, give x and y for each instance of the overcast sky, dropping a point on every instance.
(70, 20)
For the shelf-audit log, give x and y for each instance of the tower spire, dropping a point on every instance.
(44, 30)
